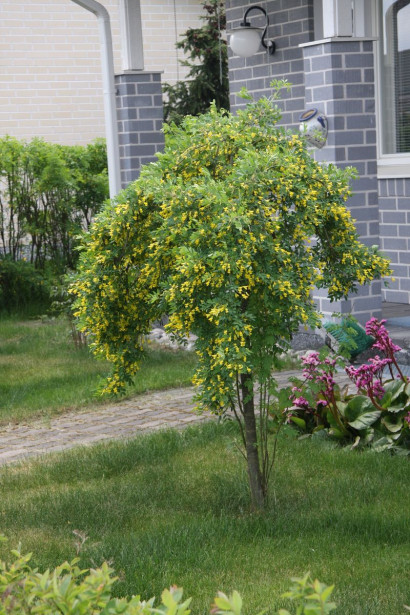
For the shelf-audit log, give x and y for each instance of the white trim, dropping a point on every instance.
(389, 166)
(131, 35)
(338, 39)
(396, 166)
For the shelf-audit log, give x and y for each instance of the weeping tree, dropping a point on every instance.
(207, 61)
(227, 233)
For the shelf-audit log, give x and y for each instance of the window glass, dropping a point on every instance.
(395, 76)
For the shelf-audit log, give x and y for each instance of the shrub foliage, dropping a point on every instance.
(70, 590)
(227, 233)
(48, 195)
(22, 286)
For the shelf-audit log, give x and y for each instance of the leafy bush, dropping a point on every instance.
(22, 287)
(207, 79)
(48, 195)
(377, 415)
(70, 590)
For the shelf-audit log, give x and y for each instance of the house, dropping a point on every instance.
(51, 79)
(348, 58)
(351, 60)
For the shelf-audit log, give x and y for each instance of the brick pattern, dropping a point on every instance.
(339, 80)
(291, 23)
(140, 115)
(394, 205)
(51, 82)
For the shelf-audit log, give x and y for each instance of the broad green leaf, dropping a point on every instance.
(393, 389)
(365, 420)
(358, 405)
(395, 409)
(341, 406)
(392, 423)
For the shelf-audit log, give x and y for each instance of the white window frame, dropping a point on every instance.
(388, 165)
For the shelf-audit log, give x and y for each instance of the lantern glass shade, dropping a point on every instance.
(245, 42)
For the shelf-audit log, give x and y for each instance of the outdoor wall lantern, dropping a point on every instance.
(313, 125)
(246, 40)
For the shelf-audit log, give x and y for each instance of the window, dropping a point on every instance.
(395, 76)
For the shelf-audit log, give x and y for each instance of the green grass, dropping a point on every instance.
(42, 373)
(173, 507)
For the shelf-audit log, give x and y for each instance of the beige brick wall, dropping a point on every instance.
(163, 22)
(50, 67)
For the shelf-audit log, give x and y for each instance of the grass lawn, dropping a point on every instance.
(42, 373)
(173, 507)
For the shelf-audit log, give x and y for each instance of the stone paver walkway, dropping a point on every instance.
(158, 410)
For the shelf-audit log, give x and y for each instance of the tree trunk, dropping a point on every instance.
(251, 440)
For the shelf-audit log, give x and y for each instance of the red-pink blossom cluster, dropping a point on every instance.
(375, 328)
(321, 372)
(364, 378)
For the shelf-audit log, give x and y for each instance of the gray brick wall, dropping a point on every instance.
(291, 23)
(140, 118)
(339, 80)
(338, 77)
(394, 206)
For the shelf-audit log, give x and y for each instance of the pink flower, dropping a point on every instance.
(363, 377)
(301, 402)
(407, 418)
(376, 329)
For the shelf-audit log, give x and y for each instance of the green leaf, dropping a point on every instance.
(341, 406)
(222, 601)
(393, 389)
(358, 405)
(284, 398)
(298, 421)
(365, 420)
(395, 409)
(336, 433)
(392, 423)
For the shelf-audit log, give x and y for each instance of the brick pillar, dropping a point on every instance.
(394, 204)
(339, 80)
(140, 118)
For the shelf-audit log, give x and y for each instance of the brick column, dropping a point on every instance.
(140, 118)
(394, 203)
(339, 80)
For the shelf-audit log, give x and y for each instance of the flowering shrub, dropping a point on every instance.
(377, 414)
(217, 234)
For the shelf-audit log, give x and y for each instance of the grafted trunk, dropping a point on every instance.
(251, 441)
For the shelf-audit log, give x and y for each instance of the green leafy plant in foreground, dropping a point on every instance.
(217, 234)
(68, 589)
